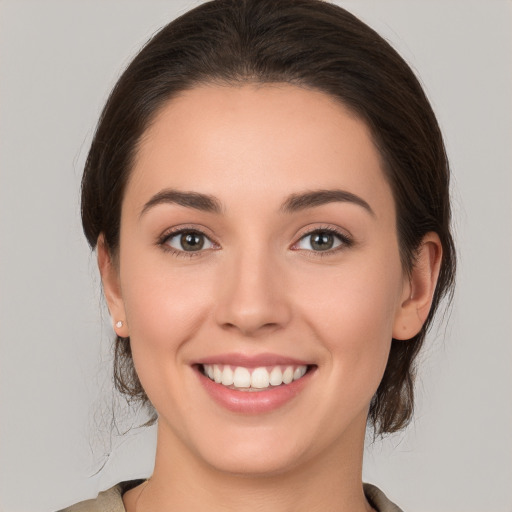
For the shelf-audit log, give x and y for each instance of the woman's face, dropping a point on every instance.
(258, 239)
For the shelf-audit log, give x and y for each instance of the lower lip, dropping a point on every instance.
(253, 402)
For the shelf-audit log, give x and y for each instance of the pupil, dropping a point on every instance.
(192, 241)
(322, 241)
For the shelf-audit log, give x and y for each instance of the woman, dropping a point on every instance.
(267, 191)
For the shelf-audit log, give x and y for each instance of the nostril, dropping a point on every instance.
(251, 328)
(251, 301)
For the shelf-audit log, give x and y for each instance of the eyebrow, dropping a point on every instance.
(194, 200)
(294, 203)
(311, 199)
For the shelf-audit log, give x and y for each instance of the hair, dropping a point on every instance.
(310, 44)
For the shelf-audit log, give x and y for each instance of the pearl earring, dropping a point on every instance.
(119, 324)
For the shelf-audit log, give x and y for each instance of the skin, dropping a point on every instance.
(260, 287)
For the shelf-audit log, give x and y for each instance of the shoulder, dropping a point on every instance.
(110, 500)
(378, 500)
(107, 501)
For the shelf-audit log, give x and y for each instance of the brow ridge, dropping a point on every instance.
(313, 198)
(294, 203)
(196, 200)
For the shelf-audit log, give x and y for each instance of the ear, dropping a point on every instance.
(111, 287)
(419, 290)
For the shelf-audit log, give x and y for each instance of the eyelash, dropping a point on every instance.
(345, 242)
(164, 239)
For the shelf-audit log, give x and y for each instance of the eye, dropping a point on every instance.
(322, 240)
(189, 241)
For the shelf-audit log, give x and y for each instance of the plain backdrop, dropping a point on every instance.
(58, 444)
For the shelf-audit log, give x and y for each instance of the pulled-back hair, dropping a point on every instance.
(311, 44)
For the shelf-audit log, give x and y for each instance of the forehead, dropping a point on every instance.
(256, 140)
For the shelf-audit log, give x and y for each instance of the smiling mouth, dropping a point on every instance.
(253, 379)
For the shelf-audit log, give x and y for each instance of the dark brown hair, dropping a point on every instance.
(311, 44)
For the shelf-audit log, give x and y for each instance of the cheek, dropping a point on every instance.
(160, 305)
(352, 311)
(164, 308)
(164, 311)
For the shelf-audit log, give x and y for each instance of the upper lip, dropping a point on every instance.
(253, 361)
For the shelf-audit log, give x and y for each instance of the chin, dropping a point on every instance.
(253, 461)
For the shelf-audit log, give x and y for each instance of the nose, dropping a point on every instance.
(252, 295)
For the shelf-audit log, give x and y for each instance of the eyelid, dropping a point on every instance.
(187, 228)
(345, 238)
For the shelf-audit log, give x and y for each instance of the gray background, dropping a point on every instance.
(58, 61)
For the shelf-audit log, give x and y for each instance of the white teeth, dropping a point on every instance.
(258, 378)
(299, 372)
(276, 376)
(241, 378)
(288, 375)
(227, 376)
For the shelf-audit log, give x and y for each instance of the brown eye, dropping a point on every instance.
(189, 241)
(322, 240)
(192, 241)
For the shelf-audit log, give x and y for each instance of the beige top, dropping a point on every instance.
(111, 500)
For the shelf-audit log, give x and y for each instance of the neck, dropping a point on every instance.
(328, 481)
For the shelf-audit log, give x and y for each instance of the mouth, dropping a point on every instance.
(262, 378)
(254, 384)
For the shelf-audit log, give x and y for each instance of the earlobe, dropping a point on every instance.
(419, 291)
(111, 287)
